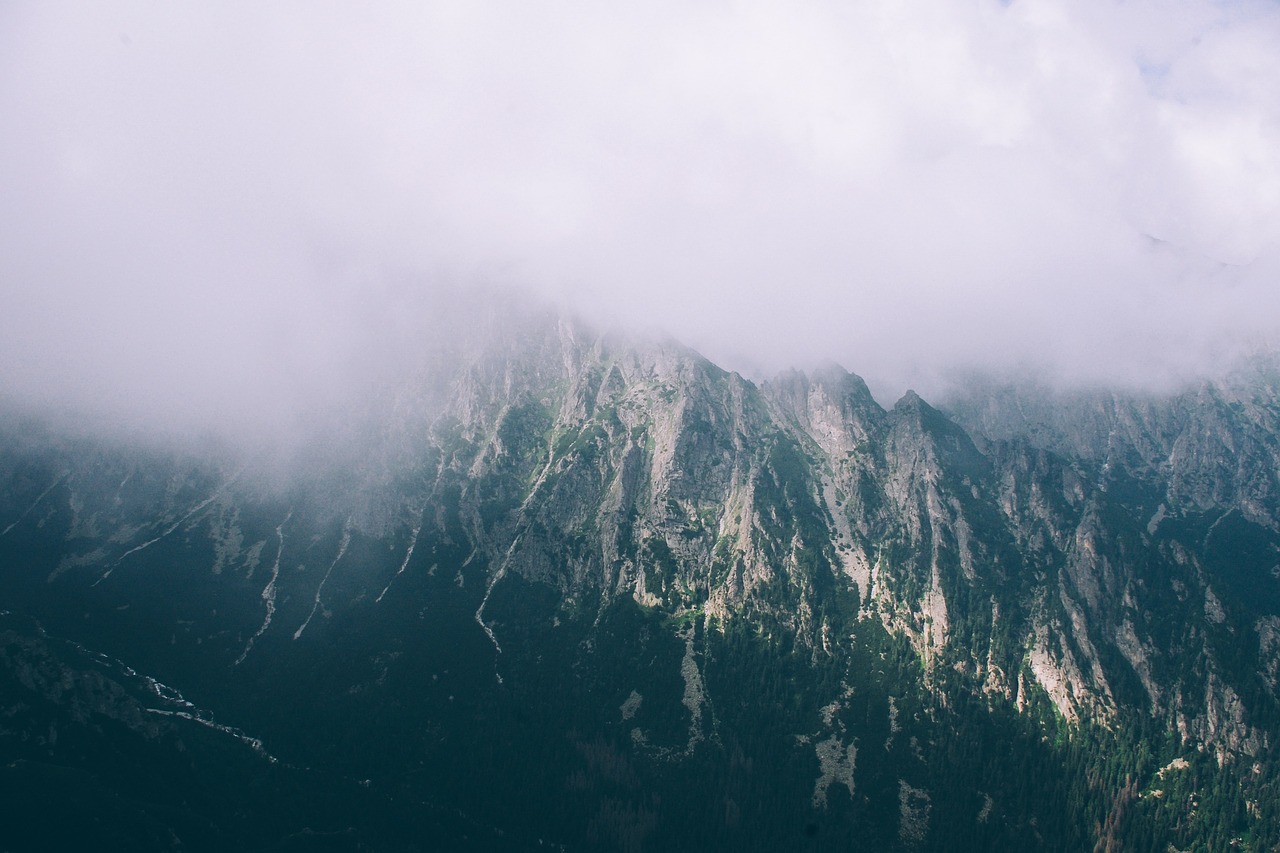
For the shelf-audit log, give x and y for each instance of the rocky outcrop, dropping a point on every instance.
(1027, 545)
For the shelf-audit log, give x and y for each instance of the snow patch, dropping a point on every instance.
(413, 541)
(181, 521)
(269, 591)
(34, 504)
(315, 605)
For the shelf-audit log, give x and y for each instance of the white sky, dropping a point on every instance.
(211, 211)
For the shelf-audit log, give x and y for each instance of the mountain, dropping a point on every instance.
(556, 589)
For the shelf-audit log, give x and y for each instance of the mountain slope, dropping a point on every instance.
(587, 591)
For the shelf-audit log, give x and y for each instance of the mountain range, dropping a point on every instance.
(557, 589)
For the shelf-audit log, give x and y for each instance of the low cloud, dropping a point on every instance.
(213, 214)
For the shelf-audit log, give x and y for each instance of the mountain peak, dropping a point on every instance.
(910, 401)
(575, 532)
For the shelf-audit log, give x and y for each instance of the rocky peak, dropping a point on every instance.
(1083, 557)
(832, 406)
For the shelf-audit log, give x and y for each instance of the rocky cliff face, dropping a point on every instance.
(1172, 536)
(1094, 562)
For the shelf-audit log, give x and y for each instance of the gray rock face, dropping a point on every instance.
(1056, 549)
(1065, 555)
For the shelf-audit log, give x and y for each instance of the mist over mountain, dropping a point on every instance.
(595, 592)
(426, 426)
(223, 215)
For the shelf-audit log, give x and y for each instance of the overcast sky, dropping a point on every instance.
(208, 207)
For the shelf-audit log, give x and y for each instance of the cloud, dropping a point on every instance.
(212, 213)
